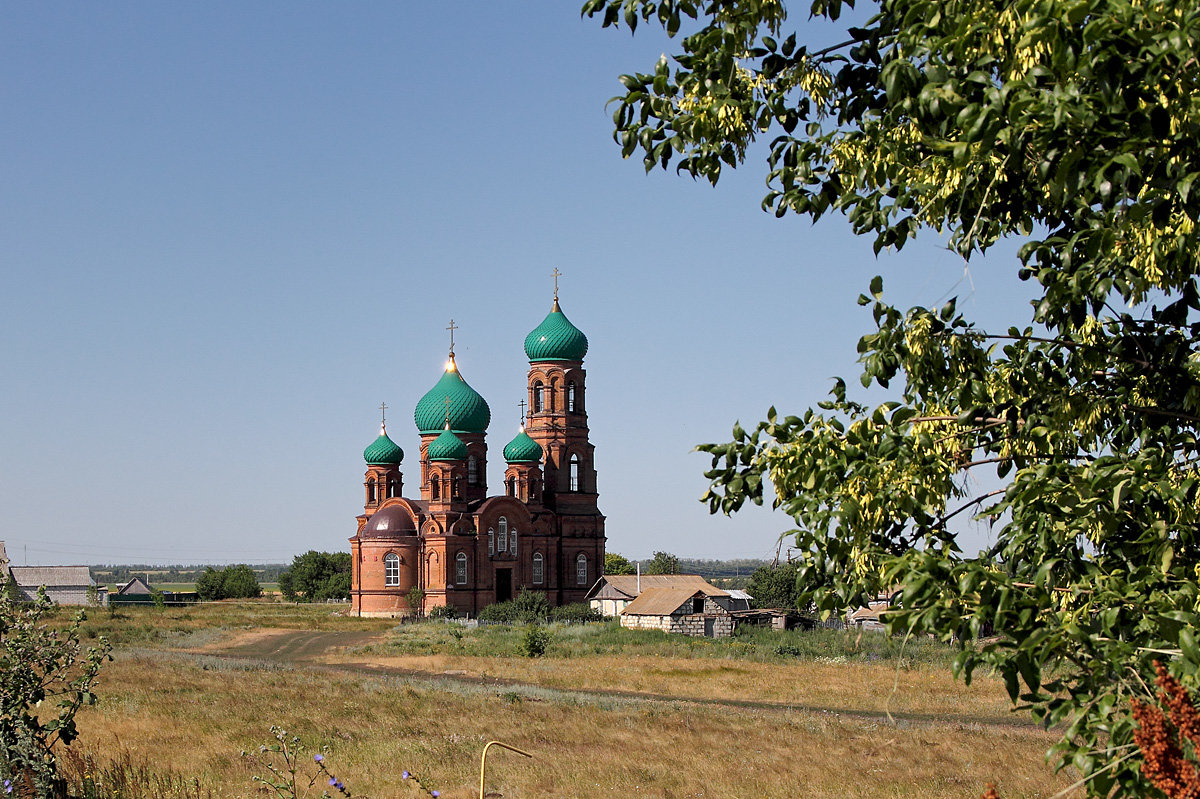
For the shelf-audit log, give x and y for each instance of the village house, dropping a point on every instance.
(612, 593)
(65, 585)
(683, 609)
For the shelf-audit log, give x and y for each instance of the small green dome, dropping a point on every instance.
(469, 413)
(383, 451)
(556, 339)
(447, 447)
(522, 449)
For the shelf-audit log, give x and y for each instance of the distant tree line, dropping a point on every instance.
(118, 574)
(667, 563)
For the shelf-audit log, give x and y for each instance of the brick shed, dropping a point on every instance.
(688, 610)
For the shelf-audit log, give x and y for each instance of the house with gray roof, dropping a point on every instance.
(65, 585)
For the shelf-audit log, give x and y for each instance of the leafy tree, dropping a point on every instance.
(316, 577)
(663, 563)
(209, 586)
(1071, 126)
(239, 582)
(48, 677)
(775, 586)
(231, 582)
(617, 564)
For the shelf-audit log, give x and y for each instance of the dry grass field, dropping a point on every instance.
(606, 712)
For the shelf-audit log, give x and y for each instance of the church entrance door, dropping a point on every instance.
(503, 585)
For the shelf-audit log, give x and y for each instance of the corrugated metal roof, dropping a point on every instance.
(736, 594)
(49, 576)
(661, 601)
(626, 585)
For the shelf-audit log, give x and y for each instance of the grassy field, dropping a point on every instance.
(607, 712)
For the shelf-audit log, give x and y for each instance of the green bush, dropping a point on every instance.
(443, 612)
(534, 642)
(576, 612)
(528, 606)
(47, 678)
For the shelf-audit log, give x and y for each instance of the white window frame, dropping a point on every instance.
(539, 568)
(502, 537)
(512, 542)
(391, 570)
(460, 568)
(491, 542)
(581, 569)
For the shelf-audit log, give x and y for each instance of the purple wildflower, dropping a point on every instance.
(333, 782)
(405, 775)
(339, 785)
(434, 794)
(318, 758)
(8, 786)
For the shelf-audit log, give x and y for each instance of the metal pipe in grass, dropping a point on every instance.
(483, 760)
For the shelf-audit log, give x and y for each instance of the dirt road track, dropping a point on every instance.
(306, 649)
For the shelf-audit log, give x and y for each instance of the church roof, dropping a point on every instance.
(468, 411)
(383, 451)
(447, 447)
(556, 339)
(522, 449)
(392, 521)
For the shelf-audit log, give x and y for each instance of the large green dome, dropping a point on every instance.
(383, 451)
(556, 339)
(522, 449)
(469, 413)
(447, 447)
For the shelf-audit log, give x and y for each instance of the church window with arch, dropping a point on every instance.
(512, 486)
(472, 471)
(491, 542)
(393, 489)
(572, 398)
(391, 569)
(460, 569)
(502, 538)
(372, 495)
(574, 474)
(539, 568)
(435, 488)
(512, 542)
(581, 569)
(538, 397)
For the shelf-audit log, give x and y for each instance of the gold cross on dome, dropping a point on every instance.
(522, 404)
(383, 412)
(452, 328)
(557, 274)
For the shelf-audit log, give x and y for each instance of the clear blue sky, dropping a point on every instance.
(228, 231)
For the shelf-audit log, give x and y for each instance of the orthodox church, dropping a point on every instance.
(457, 545)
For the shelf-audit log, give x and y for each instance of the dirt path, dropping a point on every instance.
(310, 649)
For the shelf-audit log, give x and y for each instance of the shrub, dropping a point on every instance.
(576, 612)
(443, 612)
(528, 606)
(535, 641)
(47, 678)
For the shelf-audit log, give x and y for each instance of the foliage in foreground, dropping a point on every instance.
(1071, 125)
(47, 678)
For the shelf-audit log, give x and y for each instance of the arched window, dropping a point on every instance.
(539, 568)
(502, 539)
(512, 486)
(391, 569)
(574, 485)
(457, 486)
(491, 542)
(512, 543)
(460, 568)
(435, 487)
(538, 388)
(393, 487)
(581, 569)
(372, 496)
(553, 394)
(571, 406)
(472, 471)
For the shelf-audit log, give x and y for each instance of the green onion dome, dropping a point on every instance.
(469, 413)
(447, 447)
(522, 449)
(383, 451)
(556, 339)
